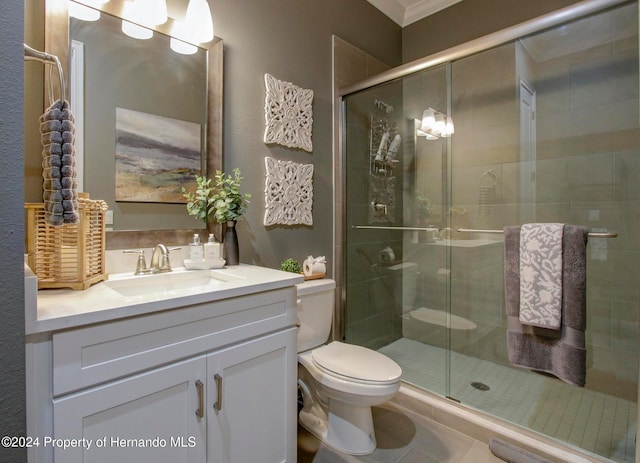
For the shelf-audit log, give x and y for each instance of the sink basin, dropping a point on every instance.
(165, 284)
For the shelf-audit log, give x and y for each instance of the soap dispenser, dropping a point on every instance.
(196, 251)
(211, 249)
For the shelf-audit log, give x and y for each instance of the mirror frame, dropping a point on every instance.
(56, 42)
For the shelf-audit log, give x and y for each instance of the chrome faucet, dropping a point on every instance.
(160, 262)
(160, 259)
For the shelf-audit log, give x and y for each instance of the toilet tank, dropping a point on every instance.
(315, 307)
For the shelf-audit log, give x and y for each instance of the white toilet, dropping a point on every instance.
(339, 382)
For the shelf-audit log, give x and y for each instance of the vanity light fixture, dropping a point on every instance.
(83, 12)
(198, 20)
(86, 11)
(141, 15)
(435, 125)
(150, 12)
(197, 27)
(182, 39)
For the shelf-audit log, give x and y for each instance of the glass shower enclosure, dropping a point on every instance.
(541, 128)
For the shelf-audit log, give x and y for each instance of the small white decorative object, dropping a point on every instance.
(288, 193)
(314, 266)
(288, 114)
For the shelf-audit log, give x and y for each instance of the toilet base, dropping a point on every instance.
(346, 428)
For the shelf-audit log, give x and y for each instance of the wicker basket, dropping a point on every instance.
(71, 255)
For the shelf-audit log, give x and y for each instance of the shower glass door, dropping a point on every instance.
(545, 129)
(396, 204)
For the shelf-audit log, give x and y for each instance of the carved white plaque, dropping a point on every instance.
(288, 114)
(288, 193)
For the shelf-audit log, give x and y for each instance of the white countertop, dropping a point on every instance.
(125, 295)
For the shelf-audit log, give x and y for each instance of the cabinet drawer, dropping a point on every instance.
(98, 353)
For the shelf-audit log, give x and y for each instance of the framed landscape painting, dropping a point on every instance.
(155, 157)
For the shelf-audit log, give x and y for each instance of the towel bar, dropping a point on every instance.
(468, 230)
(591, 234)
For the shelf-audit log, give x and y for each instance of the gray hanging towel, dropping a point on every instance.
(59, 175)
(561, 353)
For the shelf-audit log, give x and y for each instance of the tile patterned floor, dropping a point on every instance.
(403, 437)
(587, 419)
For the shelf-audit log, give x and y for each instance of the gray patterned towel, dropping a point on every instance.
(541, 274)
(559, 352)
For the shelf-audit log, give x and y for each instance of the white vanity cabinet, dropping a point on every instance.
(253, 416)
(156, 408)
(211, 382)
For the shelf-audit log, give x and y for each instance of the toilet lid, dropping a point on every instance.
(356, 362)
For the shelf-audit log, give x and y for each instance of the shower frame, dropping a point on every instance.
(538, 24)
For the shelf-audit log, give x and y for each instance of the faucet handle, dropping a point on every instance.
(141, 264)
(165, 264)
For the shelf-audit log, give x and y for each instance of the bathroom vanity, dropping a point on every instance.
(187, 366)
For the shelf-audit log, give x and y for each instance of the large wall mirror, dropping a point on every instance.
(114, 76)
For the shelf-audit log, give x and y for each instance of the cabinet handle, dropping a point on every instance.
(218, 405)
(200, 389)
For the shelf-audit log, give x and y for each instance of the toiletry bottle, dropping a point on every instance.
(196, 251)
(211, 249)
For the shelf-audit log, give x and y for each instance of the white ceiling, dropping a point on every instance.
(405, 12)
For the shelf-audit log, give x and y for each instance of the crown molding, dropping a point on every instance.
(413, 11)
(391, 8)
(423, 8)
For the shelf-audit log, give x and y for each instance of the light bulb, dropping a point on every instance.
(428, 119)
(151, 12)
(147, 13)
(83, 12)
(181, 47)
(448, 128)
(198, 20)
(135, 31)
(440, 125)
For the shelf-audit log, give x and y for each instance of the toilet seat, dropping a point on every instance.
(356, 363)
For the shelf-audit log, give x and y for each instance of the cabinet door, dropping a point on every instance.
(149, 417)
(252, 401)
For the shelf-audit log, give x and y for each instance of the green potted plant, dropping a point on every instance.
(199, 204)
(228, 203)
(290, 265)
(225, 202)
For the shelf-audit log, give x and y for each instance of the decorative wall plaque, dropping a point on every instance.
(288, 193)
(288, 114)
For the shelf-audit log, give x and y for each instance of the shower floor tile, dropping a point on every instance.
(590, 420)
